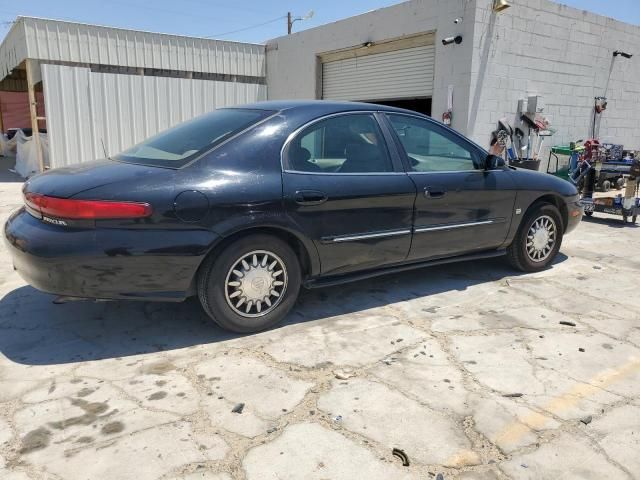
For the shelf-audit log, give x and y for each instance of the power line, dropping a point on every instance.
(247, 28)
(145, 7)
(190, 13)
(174, 12)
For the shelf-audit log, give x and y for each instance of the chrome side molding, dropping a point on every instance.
(452, 226)
(367, 236)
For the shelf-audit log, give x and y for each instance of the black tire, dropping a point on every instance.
(634, 219)
(517, 253)
(589, 214)
(217, 270)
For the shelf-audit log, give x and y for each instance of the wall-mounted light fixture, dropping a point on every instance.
(500, 5)
(449, 40)
(291, 20)
(623, 54)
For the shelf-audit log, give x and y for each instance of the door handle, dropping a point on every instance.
(310, 197)
(434, 192)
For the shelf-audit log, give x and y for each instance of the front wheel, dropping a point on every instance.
(251, 284)
(538, 239)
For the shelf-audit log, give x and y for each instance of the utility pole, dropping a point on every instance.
(289, 23)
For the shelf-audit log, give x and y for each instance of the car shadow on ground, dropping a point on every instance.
(33, 331)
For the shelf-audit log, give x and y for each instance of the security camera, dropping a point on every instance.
(624, 54)
(457, 21)
(449, 40)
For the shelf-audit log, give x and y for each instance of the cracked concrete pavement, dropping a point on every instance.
(466, 368)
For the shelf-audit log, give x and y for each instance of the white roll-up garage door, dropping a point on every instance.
(397, 74)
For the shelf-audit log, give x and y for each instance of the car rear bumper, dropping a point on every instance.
(144, 264)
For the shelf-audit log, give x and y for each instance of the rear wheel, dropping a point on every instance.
(251, 284)
(538, 239)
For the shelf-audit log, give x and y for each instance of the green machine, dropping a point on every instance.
(565, 166)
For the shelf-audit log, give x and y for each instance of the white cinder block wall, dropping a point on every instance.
(538, 47)
(293, 70)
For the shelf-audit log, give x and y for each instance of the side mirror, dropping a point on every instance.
(493, 162)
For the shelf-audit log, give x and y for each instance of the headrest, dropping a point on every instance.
(299, 154)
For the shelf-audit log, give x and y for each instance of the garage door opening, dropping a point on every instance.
(397, 72)
(420, 105)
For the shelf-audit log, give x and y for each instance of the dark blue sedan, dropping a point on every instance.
(243, 206)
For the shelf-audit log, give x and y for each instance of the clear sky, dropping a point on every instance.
(229, 19)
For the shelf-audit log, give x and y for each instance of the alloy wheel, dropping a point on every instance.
(541, 238)
(256, 283)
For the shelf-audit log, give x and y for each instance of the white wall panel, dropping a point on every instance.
(59, 41)
(86, 110)
(13, 49)
(565, 56)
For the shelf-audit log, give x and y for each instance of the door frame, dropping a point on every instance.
(419, 229)
(398, 172)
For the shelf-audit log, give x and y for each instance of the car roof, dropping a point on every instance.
(323, 106)
(305, 110)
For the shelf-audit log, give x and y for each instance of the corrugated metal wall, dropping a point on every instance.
(13, 49)
(86, 110)
(59, 41)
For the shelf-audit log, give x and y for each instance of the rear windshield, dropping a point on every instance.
(181, 144)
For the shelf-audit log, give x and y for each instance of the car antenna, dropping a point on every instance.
(104, 149)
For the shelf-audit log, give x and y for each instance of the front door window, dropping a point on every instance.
(431, 148)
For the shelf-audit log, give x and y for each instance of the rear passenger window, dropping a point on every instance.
(342, 144)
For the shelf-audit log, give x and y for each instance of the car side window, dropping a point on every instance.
(430, 148)
(342, 144)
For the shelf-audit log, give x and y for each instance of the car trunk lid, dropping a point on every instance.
(101, 190)
(75, 179)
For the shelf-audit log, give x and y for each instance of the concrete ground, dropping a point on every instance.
(473, 371)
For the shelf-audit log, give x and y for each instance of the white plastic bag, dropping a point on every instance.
(7, 147)
(26, 156)
(4, 144)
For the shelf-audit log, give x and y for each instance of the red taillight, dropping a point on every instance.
(85, 209)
